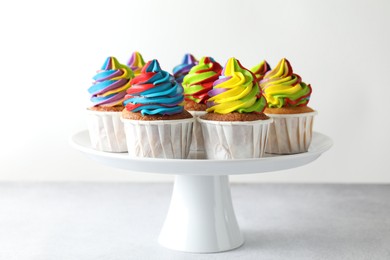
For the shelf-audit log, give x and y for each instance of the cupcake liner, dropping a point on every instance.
(106, 131)
(233, 139)
(197, 143)
(290, 133)
(159, 139)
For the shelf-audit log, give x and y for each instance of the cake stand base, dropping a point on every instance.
(201, 217)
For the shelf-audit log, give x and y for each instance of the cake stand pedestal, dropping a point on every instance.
(201, 217)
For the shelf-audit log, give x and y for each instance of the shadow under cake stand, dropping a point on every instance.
(201, 217)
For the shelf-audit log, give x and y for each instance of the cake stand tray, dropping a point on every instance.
(201, 217)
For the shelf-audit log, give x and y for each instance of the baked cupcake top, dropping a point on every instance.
(199, 81)
(136, 63)
(154, 92)
(181, 70)
(110, 84)
(236, 90)
(283, 88)
(260, 70)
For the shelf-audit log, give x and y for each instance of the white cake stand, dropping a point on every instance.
(201, 217)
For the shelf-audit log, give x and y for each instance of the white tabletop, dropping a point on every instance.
(122, 221)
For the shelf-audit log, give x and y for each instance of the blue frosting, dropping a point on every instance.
(154, 91)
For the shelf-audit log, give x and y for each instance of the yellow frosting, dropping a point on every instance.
(235, 91)
(283, 88)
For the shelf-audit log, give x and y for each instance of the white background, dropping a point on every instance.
(49, 51)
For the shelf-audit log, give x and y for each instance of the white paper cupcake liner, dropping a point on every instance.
(197, 143)
(234, 140)
(106, 131)
(169, 139)
(290, 133)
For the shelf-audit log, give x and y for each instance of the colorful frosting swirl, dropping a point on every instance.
(110, 83)
(236, 90)
(283, 88)
(136, 63)
(260, 70)
(199, 81)
(154, 91)
(181, 70)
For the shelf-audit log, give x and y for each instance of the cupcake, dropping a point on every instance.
(156, 123)
(235, 126)
(287, 97)
(197, 83)
(107, 94)
(136, 63)
(181, 70)
(260, 70)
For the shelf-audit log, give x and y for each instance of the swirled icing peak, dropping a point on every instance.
(181, 70)
(283, 88)
(136, 63)
(154, 91)
(260, 69)
(110, 83)
(199, 81)
(236, 90)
